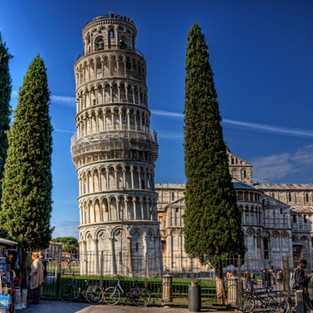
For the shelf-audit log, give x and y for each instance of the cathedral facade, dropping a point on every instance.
(276, 219)
(114, 151)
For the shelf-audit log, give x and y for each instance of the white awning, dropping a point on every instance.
(8, 242)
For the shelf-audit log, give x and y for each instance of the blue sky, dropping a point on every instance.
(260, 52)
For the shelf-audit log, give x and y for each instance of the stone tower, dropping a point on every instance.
(114, 151)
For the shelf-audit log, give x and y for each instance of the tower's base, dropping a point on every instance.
(128, 249)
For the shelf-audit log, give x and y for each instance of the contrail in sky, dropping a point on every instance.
(264, 127)
(64, 99)
(257, 126)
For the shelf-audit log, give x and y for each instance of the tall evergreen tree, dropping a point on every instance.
(212, 218)
(27, 184)
(5, 109)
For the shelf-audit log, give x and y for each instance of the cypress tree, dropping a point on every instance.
(27, 184)
(212, 218)
(5, 109)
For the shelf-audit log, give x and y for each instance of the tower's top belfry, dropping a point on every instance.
(110, 31)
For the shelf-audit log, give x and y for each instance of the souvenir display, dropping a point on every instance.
(9, 283)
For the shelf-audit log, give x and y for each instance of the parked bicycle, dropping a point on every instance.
(70, 291)
(272, 301)
(138, 295)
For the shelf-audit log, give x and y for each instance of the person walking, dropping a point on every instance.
(36, 277)
(303, 282)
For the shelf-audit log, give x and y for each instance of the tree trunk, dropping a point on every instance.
(220, 290)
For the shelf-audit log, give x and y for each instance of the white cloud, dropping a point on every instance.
(304, 155)
(272, 167)
(65, 229)
(278, 166)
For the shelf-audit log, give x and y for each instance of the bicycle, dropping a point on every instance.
(70, 291)
(272, 301)
(138, 295)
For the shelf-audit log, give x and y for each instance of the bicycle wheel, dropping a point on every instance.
(245, 302)
(278, 304)
(111, 295)
(67, 292)
(94, 294)
(141, 296)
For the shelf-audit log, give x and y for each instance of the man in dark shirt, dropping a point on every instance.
(44, 263)
(303, 282)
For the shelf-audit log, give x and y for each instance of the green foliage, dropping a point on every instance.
(70, 243)
(212, 218)
(27, 184)
(5, 109)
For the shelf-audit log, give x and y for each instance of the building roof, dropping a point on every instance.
(240, 185)
(284, 186)
(272, 202)
(236, 184)
(170, 186)
(302, 209)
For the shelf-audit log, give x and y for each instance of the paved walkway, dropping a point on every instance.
(61, 307)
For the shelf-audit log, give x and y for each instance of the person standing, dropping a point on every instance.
(264, 278)
(44, 263)
(247, 279)
(36, 277)
(272, 276)
(303, 282)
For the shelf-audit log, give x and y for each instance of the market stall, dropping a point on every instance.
(10, 283)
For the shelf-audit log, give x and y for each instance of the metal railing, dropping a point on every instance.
(116, 134)
(61, 267)
(110, 15)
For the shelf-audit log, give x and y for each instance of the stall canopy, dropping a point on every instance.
(8, 242)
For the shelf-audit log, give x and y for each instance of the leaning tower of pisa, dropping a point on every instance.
(114, 151)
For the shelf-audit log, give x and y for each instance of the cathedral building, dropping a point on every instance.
(114, 151)
(276, 219)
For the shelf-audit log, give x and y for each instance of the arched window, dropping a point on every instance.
(173, 196)
(122, 44)
(306, 197)
(289, 196)
(110, 36)
(99, 44)
(305, 219)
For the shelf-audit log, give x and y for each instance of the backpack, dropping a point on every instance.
(292, 282)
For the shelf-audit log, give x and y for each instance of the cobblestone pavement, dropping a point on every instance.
(61, 307)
